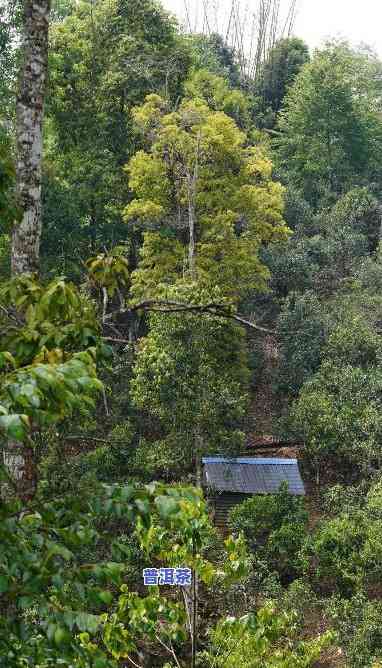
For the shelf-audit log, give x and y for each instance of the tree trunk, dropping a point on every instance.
(20, 461)
(29, 119)
(191, 228)
(192, 179)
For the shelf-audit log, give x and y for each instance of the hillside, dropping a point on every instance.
(190, 297)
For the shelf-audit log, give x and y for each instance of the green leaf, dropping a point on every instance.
(106, 597)
(14, 426)
(166, 506)
(87, 622)
(61, 635)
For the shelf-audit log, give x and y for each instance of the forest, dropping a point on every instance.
(190, 268)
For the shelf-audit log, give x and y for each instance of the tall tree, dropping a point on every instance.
(276, 75)
(201, 192)
(105, 57)
(211, 52)
(29, 111)
(331, 126)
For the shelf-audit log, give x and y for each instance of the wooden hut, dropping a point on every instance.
(232, 481)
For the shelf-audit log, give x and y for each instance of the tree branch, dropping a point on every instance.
(133, 662)
(251, 325)
(169, 306)
(113, 340)
(113, 328)
(84, 437)
(169, 649)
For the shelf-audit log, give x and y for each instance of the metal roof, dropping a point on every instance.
(252, 475)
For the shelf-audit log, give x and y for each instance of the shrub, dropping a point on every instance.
(261, 640)
(338, 416)
(333, 554)
(344, 554)
(359, 626)
(274, 528)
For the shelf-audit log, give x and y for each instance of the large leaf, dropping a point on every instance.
(15, 426)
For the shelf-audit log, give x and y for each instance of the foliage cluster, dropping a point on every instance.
(274, 527)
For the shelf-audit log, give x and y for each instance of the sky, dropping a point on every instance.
(359, 21)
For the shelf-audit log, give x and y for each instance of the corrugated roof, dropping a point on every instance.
(252, 475)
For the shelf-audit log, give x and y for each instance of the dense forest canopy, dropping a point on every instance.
(190, 265)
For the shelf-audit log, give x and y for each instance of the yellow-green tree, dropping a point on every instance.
(204, 197)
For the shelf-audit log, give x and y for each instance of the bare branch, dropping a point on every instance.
(113, 328)
(114, 340)
(170, 306)
(251, 325)
(133, 662)
(169, 649)
(250, 29)
(105, 404)
(84, 437)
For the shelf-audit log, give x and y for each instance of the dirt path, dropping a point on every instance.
(260, 417)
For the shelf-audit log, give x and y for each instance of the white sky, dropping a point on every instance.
(359, 21)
